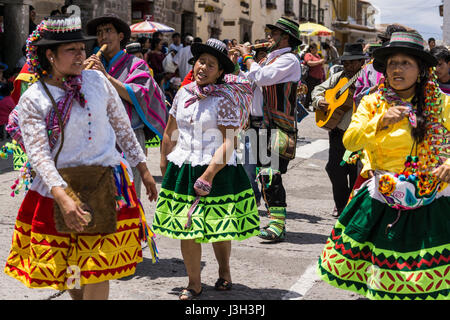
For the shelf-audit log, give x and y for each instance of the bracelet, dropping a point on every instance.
(247, 57)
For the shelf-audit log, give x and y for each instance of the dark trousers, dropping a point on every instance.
(275, 194)
(311, 83)
(342, 177)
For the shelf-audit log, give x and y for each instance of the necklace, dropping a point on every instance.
(430, 153)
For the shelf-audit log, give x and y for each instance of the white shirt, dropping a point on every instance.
(284, 69)
(198, 133)
(109, 123)
(176, 47)
(181, 60)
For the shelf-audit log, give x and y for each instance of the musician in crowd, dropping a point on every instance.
(278, 76)
(143, 99)
(342, 177)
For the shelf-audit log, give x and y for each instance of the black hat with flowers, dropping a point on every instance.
(61, 29)
(52, 31)
(216, 48)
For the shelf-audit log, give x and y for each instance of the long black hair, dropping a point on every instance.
(42, 57)
(418, 100)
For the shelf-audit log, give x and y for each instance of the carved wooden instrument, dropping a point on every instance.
(339, 103)
(98, 54)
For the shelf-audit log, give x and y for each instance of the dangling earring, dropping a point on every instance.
(418, 79)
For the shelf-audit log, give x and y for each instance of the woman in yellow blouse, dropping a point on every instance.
(392, 241)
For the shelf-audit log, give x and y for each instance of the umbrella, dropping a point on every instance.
(314, 29)
(149, 27)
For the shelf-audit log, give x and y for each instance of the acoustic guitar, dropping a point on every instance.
(339, 103)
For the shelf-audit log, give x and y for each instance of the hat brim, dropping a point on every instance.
(120, 25)
(47, 42)
(382, 54)
(198, 48)
(353, 57)
(272, 26)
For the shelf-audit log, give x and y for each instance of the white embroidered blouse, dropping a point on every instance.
(198, 133)
(106, 122)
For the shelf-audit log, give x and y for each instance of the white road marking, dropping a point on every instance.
(308, 150)
(302, 286)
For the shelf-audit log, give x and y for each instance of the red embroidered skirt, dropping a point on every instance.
(40, 257)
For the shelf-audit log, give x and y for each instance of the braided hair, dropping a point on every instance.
(418, 133)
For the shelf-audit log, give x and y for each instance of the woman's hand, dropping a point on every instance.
(443, 173)
(148, 181)
(74, 216)
(203, 185)
(393, 115)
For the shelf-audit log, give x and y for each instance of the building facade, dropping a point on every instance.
(444, 10)
(179, 15)
(245, 20)
(354, 20)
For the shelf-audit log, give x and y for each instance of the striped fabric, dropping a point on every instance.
(281, 100)
(407, 37)
(235, 89)
(148, 98)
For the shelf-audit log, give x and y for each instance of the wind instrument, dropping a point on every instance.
(98, 54)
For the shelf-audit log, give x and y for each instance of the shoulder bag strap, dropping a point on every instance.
(60, 123)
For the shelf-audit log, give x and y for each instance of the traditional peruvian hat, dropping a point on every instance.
(216, 48)
(353, 51)
(287, 26)
(119, 24)
(410, 43)
(61, 29)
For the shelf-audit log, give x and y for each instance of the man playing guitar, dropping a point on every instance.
(342, 177)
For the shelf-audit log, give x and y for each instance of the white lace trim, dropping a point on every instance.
(109, 121)
(198, 128)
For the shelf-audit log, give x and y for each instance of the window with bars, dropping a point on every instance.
(271, 4)
(288, 7)
(321, 16)
(303, 10)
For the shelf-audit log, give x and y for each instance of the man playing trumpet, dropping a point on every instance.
(276, 78)
(130, 76)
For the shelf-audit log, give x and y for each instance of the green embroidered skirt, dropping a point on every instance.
(229, 212)
(410, 260)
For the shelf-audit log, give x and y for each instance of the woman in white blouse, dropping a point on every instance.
(206, 196)
(95, 121)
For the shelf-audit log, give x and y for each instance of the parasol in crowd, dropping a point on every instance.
(314, 29)
(146, 27)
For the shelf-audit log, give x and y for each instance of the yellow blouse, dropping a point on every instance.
(385, 148)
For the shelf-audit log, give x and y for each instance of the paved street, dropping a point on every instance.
(260, 271)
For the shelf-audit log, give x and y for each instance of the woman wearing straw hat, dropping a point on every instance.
(205, 195)
(76, 116)
(392, 239)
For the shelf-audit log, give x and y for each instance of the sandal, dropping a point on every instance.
(189, 293)
(269, 235)
(223, 285)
